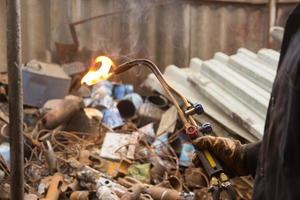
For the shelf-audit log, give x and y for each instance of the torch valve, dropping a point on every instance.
(191, 131)
(206, 128)
(195, 109)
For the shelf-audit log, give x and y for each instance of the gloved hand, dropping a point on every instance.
(230, 152)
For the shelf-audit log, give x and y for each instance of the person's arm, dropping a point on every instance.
(238, 158)
(251, 157)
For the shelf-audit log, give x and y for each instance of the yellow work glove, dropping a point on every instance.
(230, 152)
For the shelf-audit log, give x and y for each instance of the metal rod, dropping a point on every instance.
(272, 18)
(15, 99)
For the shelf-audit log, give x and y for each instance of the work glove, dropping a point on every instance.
(230, 152)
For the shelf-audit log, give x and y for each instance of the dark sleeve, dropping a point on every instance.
(251, 156)
(291, 28)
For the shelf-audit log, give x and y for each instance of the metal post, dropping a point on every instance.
(15, 99)
(272, 18)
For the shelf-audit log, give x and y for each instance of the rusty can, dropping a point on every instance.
(129, 105)
(158, 100)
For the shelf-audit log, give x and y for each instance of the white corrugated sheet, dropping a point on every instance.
(234, 90)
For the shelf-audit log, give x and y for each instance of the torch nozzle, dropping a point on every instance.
(128, 65)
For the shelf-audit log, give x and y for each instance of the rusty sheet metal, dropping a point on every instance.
(216, 27)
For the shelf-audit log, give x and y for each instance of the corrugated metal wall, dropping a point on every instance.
(226, 27)
(163, 31)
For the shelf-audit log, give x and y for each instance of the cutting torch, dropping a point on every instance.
(219, 181)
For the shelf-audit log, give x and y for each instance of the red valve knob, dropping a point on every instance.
(192, 132)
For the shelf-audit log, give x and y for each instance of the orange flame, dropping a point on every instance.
(94, 75)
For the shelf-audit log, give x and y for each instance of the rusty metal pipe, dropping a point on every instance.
(63, 112)
(15, 98)
(134, 193)
(160, 193)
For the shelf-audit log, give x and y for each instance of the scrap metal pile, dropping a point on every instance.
(103, 142)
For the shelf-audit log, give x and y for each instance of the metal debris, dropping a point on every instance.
(143, 157)
(44, 81)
